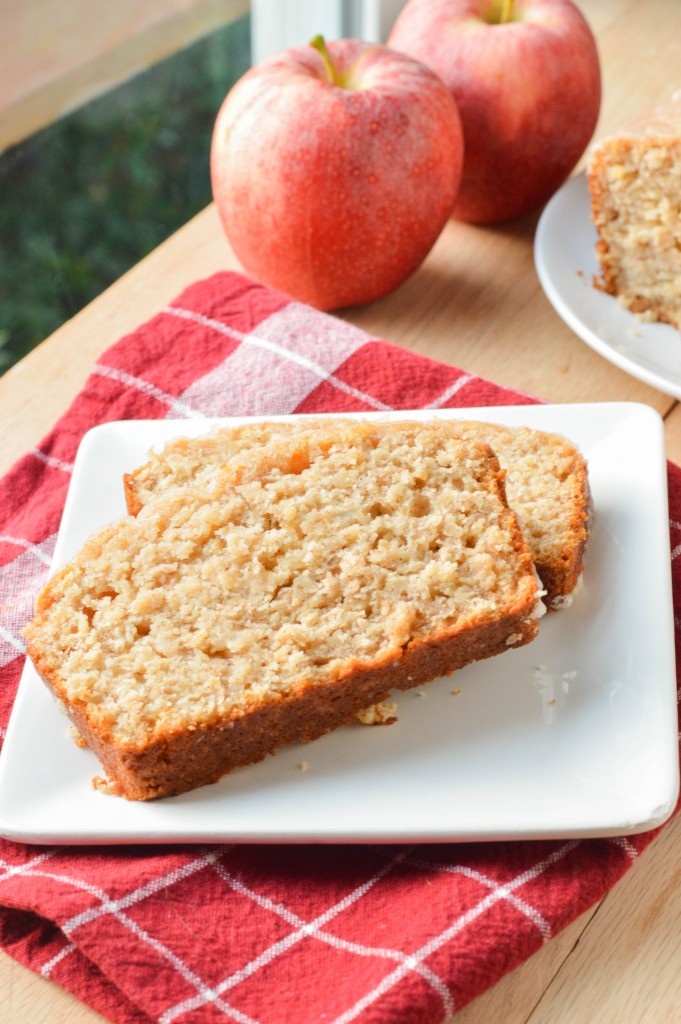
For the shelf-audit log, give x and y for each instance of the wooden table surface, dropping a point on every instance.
(475, 303)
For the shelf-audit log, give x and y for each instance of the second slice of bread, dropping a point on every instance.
(546, 484)
(547, 487)
(278, 598)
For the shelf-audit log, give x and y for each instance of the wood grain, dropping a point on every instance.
(476, 303)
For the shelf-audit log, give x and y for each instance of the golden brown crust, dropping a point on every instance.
(134, 505)
(561, 576)
(185, 760)
(607, 281)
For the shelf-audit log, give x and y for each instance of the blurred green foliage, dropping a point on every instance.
(86, 198)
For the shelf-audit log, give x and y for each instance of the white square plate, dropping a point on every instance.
(572, 735)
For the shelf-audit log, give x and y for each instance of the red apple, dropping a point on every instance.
(335, 170)
(526, 78)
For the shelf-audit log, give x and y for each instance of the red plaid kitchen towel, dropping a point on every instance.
(259, 933)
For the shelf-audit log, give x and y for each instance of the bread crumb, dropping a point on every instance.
(378, 714)
(76, 737)
(456, 693)
(103, 785)
(303, 766)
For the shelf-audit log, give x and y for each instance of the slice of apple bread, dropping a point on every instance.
(272, 601)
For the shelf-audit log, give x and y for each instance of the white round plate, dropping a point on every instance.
(566, 264)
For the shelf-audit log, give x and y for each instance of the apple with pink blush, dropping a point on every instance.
(335, 168)
(525, 75)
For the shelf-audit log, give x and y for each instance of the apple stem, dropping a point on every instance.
(506, 11)
(319, 44)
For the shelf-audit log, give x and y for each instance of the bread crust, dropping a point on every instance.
(183, 760)
(132, 502)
